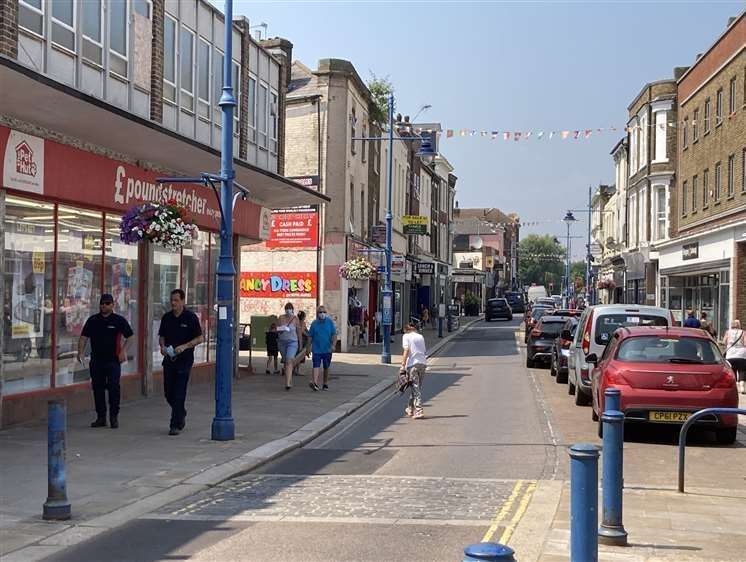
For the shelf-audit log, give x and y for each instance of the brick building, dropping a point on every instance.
(93, 110)
(702, 266)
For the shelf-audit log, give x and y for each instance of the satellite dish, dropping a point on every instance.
(478, 243)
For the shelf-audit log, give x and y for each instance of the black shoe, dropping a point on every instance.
(181, 426)
(100, 422)
(114, 422)
(325, 387)
(313, 386)
(173, 431)
(287, 387)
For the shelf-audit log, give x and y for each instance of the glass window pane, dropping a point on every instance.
(166, 278)
(63, 37)
(35, 3)
(186, 54)
(30, 20)
(92, 19)
(79, 255)
(92, 52)
(27, 302)
(121, 279)
(217, 77)
(252, 103)
(195, 284)
(118, 26)
(203, 70)
(118, 65)
(141, 7)
(169, 50)
(62, 10)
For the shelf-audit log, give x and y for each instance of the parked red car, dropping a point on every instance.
(664, 375)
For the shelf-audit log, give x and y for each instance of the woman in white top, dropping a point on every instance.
(735, 352)
(414, 362)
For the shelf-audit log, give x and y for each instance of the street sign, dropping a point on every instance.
(414, 224)
(387, 308)
(596, 250)
(424, 268)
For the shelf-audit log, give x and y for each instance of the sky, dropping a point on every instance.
(509, 66)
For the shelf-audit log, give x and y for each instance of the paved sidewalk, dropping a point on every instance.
(116, 475)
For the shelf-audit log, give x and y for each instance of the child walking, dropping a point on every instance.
(272, 348)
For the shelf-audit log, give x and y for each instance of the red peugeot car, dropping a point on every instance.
(664, 375)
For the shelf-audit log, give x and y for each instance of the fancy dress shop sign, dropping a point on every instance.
(60, 171)
(278, 285)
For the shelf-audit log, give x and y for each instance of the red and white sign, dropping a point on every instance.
(278, 284)
(294, 228)
(83, 178)
(23, 164)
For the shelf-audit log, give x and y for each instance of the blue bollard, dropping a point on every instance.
(584, 502)
(57, 507)
(611, 531)
(489, 551)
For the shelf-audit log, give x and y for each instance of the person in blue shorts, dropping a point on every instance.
(323, 336)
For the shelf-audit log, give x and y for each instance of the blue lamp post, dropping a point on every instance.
(223, 428)
(426, 153)
(569, 219)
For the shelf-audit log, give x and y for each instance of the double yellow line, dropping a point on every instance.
(525, 497)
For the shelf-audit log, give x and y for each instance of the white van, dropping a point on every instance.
(536, 291)
(595, 327)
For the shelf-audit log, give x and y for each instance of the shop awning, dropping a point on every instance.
(35, 98)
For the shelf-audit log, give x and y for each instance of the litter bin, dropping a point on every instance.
(453, 317)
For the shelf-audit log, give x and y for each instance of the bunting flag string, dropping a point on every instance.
(538, 135)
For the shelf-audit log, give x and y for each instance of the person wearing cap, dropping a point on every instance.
(105, 331)
(180, 332)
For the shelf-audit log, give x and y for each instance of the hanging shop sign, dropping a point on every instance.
(424, 268)
(414, 224)
(690, 251)
(310, 182)
(294, 228)
(278, 285)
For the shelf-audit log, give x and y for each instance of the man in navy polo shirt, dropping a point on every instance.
(323, 334)
(105, 331)
(179, 334)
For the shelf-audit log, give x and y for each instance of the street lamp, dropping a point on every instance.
(427, 154)
(568, 220)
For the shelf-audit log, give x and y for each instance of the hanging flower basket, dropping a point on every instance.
(607, 284)
(165, 224)
(357, 269)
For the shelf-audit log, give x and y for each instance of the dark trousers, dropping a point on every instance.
(105, 376)
(175, 382)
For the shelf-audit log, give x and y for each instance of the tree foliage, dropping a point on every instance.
(541, 260)
(577, 272)
(380, 90)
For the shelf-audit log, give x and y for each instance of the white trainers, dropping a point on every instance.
(408, 411)
(418, 415)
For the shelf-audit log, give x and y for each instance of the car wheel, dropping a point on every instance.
(594, 415)
(529, 362)
(570, 387)
(552, 368)
(727, 435)
(581, 399)
(561, 378)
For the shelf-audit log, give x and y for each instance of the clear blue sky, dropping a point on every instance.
(514, 66)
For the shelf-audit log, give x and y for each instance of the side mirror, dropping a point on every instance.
(591, 358)
(566, 335)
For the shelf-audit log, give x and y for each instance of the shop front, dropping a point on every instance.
(62, 208)
(701, 274)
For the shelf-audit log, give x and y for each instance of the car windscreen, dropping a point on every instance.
(608, 323)
(551, 329)
(669, 349)
(517, 297)
(538, 312)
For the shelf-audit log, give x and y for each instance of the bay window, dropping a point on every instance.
(169, 59)
(186, 68)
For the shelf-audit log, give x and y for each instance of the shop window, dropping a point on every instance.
(195, 282)
(121, 279)
(166, 278)
(79, 257)
(27, 299)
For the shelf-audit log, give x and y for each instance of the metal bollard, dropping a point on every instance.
(584, 502)
(489, 551)
(57, 506)
(612, 531)
(440, 326)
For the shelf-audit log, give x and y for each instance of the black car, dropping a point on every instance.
(537, 311)
(561, 349)
(498, 308)
(541, 339)
(516, 302)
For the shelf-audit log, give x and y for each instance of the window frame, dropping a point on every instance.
(202, 103)
(718, 180)
(719, 107)
(733, 90)
(695, 189)
(71, 28)
(353, 122)
(274, 119)
(174, 83)
(661, 222)
(180, 78)
(236, 84)
(38, 11)
(684, 197)
(705, 188)
(731, 175)
(743, 170)
(100, 43)
(685, 134)
(116, 54)
(695, 128)
(251, 103)
(263, 134)
(217, 83)
(708, 111)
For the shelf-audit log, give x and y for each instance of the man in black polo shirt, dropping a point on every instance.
(179, 334)
(105, 331)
